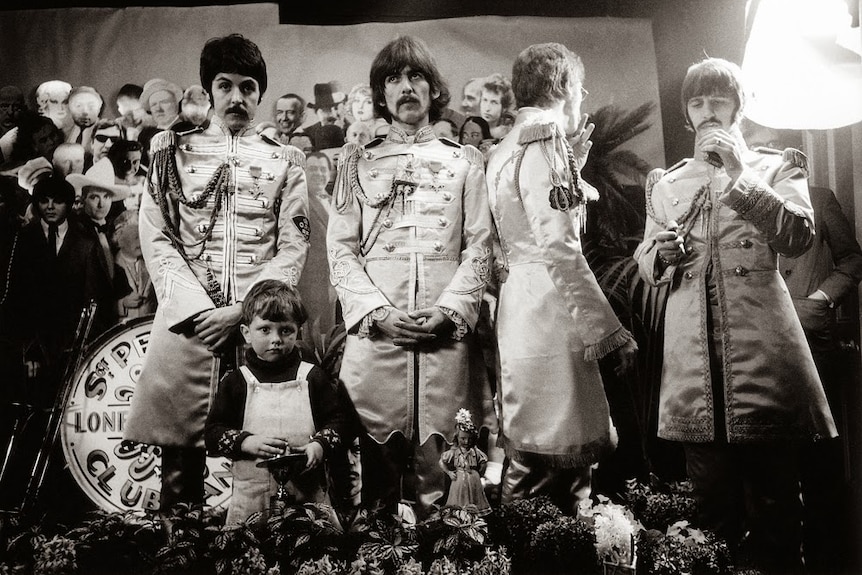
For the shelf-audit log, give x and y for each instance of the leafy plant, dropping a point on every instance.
(564, 544)
(304, 532)
(659, 504)
(682, 550)
(390, 542)
(236, 550)
(513, 524)
(111, 542)
(54, 556)
(458, 533)
(188, 540)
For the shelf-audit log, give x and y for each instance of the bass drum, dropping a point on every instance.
(119, 475)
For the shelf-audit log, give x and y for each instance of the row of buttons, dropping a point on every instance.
(738, 270)
(389, 247)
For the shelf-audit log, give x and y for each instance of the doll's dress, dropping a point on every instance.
(467, 487)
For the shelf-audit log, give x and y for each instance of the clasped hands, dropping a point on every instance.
(416, 327)
(266, 447)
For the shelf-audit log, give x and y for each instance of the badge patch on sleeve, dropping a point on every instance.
(301, 223)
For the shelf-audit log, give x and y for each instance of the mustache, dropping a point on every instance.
(238, 110)
(407, 100)
(708, 121)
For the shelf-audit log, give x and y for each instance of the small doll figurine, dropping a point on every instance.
(465, 465)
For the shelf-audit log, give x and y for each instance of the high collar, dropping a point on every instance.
(399, 136)
(531, 115)
(219, 124)
(272, 371)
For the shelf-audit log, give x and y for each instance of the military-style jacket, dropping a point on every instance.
(411, 228)
(553, 321)
(240, 210)
(734, 231)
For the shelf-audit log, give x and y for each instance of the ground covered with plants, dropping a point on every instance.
(648, 531)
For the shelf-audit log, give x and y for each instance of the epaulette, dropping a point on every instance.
(449, 142)
(294, 155)
(195, 130)
(162, 141)
(375, 142)
(653, 177)
(796, 158)
(473, 155)
(766, 150)
(536, 133)
(265, 137)
(677, 165)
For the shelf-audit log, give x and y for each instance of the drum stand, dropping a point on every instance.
(24, 412)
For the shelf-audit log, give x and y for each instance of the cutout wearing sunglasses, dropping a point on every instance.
(102, 138)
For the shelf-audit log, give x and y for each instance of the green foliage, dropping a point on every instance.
(302, 533)
(454, 532)
(564, 544)
(188, 539)
(236, 550)
(513, 524)
(682, 551)
(660, 505)
(116, 542)
(390, 542)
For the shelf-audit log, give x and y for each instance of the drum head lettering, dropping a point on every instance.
(119, 475)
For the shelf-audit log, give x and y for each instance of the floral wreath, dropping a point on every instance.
(464, 422)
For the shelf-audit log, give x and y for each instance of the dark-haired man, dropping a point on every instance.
(289, 116)
(739, 386)
(228, 209)
(410, 239)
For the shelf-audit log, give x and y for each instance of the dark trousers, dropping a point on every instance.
(531, 477)
(401, 469)
(183, 471)
(749, 494)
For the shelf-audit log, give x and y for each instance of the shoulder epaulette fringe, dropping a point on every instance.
(295, 156)
(473, 155)
(653, 177)
(162, 141)
(449, 142)
(536, 133)
(342, 194)
(797, 158)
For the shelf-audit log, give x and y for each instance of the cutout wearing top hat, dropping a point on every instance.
(323, 97)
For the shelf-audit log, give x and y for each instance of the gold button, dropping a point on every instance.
(372, 173)
(202, 228)
(447, 196)
(368, 155)
(438, 246)
(389, 248)
(443, 222)
(190, 169)
(387, 223)
(745, 244)
(675, 201)
(688, 275)
(740, 271)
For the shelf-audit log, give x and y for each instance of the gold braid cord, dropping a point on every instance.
(167, 181)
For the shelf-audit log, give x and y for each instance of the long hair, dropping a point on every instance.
(401, 52)
(233, 54)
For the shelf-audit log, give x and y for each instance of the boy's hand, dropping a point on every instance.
(262, 446)
(313, 453)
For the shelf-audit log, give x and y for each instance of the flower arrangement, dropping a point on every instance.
(615, 528)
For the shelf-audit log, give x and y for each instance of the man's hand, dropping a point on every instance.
(626, 357)
(726, 146)
(431, 320)
(132, 300)
(262, 446)
(581, 143)
(403, 330)
(215, 326)
(313, 454)
(669, 244)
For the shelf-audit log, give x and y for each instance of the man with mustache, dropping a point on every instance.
(409, 238)
(739, 387)
(228, 208)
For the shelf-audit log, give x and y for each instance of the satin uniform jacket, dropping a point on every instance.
(771, 390)
(411, 228)
(260, 231)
